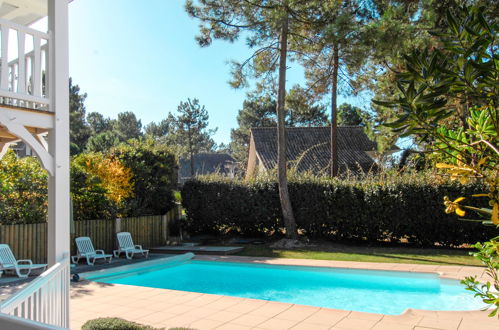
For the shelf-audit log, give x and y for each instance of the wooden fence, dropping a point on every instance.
(29, 241)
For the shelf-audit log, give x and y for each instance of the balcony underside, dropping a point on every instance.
(29, 126)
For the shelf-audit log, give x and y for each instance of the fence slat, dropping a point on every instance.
(29, 241)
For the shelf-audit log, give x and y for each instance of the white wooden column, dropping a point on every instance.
(58, 200)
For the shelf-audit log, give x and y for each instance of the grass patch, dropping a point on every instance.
(408, 255)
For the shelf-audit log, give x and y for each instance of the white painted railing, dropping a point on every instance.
(45, 299)
(23, 80)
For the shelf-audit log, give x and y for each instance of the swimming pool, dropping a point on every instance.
(385, 292)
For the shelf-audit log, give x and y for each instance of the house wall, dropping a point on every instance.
(252, 160)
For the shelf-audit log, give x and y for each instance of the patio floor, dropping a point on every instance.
(170, 308)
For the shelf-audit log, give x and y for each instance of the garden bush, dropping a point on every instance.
(154, 169)
(371, 210)
(114, 323)
(23, 190)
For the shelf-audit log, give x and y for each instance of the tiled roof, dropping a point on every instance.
(204, 163)
(308, 148)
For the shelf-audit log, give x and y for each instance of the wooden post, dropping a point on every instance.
(164, 222)
(58, 185)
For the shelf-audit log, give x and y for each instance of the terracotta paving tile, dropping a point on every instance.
(403, 268)
(232, 326)
(355, 324)
(426, 268)
(159, 306)
(156, 318)
(298, 312)
(76, 325)
(94, 307)
(277, 324)
(445, 324)
(180, 309)
(203, 300)
(449, 269)
(365, 316)
(472, 325)
(223, 303)
(270, 309)
(310, 326)
(246, 306)
(327, 316)
(407, 318)
(183, 298)
(392, 326)
(446, 315)
(205, 324)
(203, 311)
(177, 321)
(250, 320)
(223, 316)
(138, 313)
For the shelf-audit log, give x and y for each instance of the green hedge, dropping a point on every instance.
(336, 210)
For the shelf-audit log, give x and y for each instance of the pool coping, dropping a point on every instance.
(337, 319)
(453, 272)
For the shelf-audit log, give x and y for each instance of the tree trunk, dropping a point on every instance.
(192, 163)
(334, 122)
(287, 210)
(191, 153)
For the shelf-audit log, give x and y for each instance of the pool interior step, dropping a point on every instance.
(200, 249)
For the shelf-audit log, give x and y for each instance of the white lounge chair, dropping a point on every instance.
(9, 263)
(125, 244)
(85, 249)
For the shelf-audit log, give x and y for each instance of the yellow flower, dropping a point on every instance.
(453, 206)
(495, 214)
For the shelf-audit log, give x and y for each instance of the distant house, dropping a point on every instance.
(308, 149)
(22, 149)
(207, 163)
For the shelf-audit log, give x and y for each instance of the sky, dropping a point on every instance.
(141, 56)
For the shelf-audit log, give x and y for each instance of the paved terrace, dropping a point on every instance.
(170, 308)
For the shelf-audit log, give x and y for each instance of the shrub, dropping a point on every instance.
(154, 169)
(99, 185)
(23, 190)
(114, 323)
(382, 209)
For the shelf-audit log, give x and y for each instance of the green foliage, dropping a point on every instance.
(189, 129)
(103, 141)
(23, 190)
(488, 254)
(373, 209)
(101, 184)
(89, 196)
(127, 126)
(154, 169)
(351, 115)
(114, 323)
(302, 108)
(79, 131)
(160, 129)
(449, 98)
(98, 123)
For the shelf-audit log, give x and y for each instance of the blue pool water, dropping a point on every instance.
(358, 290)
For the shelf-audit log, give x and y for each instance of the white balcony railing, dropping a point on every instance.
(45, 299)
(23, 80)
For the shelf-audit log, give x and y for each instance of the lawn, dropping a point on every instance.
(432, 256)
